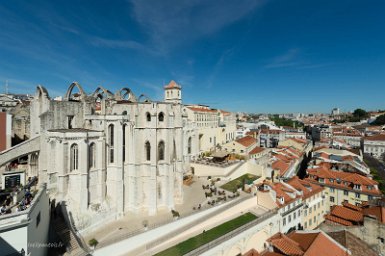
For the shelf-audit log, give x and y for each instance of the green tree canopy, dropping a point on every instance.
(380, 120)
(360, 113)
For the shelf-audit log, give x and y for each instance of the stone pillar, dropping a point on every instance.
(83, 176)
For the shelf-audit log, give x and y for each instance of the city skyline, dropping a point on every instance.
(247, 56)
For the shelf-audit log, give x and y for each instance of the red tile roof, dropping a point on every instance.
(338, 220)
(198, 109)
(308, 189)
(171, 85)
(305, 243)
(380, 137)
(281, 166)
(347, 214)
(346, 180)
(375, 211)
(256, 150)
(246, 141)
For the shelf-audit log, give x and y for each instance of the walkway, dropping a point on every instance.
(168, 235)
(22, 149)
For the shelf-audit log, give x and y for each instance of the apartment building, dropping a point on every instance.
(314, 207)
(343, 186)
(374, 145)
(215, 127)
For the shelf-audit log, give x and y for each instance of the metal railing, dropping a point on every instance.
(121, 237)
(231, 234)
(192, 224)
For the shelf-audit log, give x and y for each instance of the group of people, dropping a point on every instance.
(25, 202)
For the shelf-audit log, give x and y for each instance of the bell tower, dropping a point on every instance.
(173, 92)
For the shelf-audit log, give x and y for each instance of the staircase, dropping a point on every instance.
(68, 238)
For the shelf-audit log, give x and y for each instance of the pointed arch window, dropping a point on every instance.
(92, 155)
(161, 150)
(111, 142)
(189, 146)
(74, 157)
(161, 117)
(147, 148)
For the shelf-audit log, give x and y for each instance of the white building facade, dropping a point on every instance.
(113, 151)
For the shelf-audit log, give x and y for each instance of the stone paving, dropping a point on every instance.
(131, 222)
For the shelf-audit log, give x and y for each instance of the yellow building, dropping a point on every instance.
(344, 186)
(314, 207)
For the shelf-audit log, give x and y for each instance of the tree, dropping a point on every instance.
(360, 113)
(380, 120)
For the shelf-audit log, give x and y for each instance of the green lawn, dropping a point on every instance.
(235, 184)
(210, 235)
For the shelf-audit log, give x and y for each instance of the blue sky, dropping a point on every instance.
(244, 55)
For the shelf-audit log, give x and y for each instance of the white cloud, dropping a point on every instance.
(172, 22)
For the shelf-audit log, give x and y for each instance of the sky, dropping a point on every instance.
(260, 56)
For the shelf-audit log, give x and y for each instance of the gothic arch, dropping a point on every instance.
(69, 91)
(144, 98)
(41, 91)
(125, 94)
(102, 93)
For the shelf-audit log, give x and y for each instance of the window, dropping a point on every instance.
(92, 154)
(37, 219)
(310, 210)
(305, 213)
(305, 225)
(161, 150)
(310, 222)
(332, 190)
(111, 142)
(319, 205)
(69, 121)
(294, 215)
(370, 197)
(74, 157)
(284, 221)
(358, 195)
(346, 193)
(161, 117)
(189, 145)
(332, 199)
(148, 117)
(299, 213)
(124, 143)
(314, 207)
(289, 218)
(147, 149)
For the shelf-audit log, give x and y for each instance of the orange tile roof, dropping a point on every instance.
(252, 252)
(347, 180)
(246, 141)
(306, 243)
(376, 137)
(352, 207)
(256, 150)
(281, 166)
(197, 109)
(338, 220)
(347, 214)
(171, 85)
(282, 191)
(287, 246)
(375, 211)
(308, 189)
